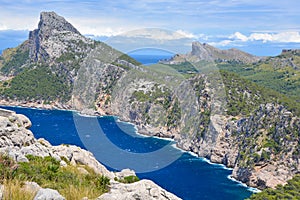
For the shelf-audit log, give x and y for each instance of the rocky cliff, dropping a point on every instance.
(45, 42)
(17, 141)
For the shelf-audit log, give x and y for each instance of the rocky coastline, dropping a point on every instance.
(224, 151)
(17, 141)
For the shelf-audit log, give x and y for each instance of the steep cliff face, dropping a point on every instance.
(52, 38)
(269, 149)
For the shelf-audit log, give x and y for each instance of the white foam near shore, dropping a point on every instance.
(162, 138)
(175, 146)
(193, 154)
(85, 115)
(251, 189)
(216, 164)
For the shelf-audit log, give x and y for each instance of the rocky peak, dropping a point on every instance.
(53, 37)
(203, 51)
(51, 22)
(209, 53)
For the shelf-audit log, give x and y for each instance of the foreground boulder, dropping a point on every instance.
(48, 194)
(144, 189)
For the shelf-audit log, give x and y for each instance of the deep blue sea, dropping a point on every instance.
(149, 59)
(189, 177)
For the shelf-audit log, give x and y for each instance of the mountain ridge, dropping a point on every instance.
(206, 52)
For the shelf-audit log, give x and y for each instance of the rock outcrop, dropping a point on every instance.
(1, 191)
(46, 42)
(144, 189)
(48, 194)
(269, 147)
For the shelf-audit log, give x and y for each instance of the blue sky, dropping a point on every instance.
(259, 27)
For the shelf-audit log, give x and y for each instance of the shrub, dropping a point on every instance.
(128, 179)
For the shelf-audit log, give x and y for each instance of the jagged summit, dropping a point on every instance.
(50, 21)
(206, 52)
(52, 37)
(209, 53)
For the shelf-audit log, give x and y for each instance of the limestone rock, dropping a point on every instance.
(31, 186)
(77, 155)
(48, 194)
(124, 173)
(1, 191)
(24, 121)
(54, 37)
(144, 189)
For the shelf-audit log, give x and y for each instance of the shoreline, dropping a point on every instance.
(251, 189)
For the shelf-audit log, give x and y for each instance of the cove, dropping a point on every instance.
(189, 177)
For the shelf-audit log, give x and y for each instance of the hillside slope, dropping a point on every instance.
(49, 61)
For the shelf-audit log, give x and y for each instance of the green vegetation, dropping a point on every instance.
(14, 191)
(15, 62)
(158, 96)
(283, 79)
(37, 84)
(47, 172)
(141, 96)
(244, 96)
(289, 191)
(129, 59)
(185, 68)
(128, 179)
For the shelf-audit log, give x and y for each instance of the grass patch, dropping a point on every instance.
(47, 172)
(13, 189)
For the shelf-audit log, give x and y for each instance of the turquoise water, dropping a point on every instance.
(189, 177)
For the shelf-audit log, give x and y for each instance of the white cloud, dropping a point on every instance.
(238, 36)
(159, 34)
(282, 37)
(285, 37)
(3, 27)
(186, 34)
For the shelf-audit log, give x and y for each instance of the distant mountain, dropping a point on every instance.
(279, 73)
(206, 52)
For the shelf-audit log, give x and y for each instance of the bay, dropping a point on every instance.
(189, 177)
